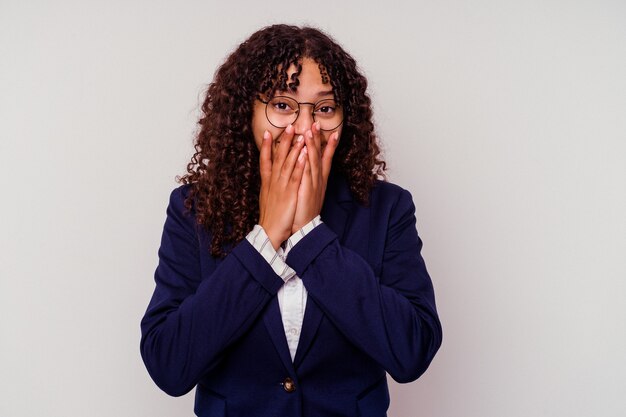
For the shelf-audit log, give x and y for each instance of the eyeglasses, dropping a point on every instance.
(281, 111)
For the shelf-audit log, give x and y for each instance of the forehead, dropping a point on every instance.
(312, 79)
(309, 68)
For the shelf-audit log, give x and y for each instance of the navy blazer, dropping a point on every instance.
(216, 324)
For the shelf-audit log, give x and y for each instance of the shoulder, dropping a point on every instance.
(390, 194)
(178, 215)
(387, 188)
(181, 192)
(178, 196)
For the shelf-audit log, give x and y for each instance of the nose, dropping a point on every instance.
(304, 120)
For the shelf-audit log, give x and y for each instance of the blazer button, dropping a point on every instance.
(289, 385)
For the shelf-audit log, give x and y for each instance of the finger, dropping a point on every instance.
(290, 161)
(329, 152)
(307, 174)
(313, 159)
(284, 145)
(265, 161)
(317, 137)
(296, 176)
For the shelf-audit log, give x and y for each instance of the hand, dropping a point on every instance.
(315, 178)
(280, 179)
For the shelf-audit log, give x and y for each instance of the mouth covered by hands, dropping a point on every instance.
(294, 176)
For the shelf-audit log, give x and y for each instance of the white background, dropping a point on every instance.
(505, 119)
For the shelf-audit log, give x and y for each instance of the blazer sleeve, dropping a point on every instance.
(195, 314)
(391, 317)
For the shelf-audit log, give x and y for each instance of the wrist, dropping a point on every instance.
(299, 226)
(276, 239)
(302, 221)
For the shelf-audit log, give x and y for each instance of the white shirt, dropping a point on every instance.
(292, 295)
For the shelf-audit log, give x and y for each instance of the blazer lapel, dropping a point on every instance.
(312, 319)
(274, 323)
(337, 204)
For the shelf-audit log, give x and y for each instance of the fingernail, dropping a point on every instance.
(301, 157)
(317, 125)
(266, 135)
(336, 137)
(304, 150)
(309, 134)
(289, 129)
(300, 138)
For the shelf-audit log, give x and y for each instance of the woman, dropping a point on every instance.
(290, 278)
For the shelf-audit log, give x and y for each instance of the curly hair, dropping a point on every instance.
(224, 170)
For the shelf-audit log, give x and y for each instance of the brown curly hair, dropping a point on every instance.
(224, 171)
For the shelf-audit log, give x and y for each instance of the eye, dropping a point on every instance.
(283, 105)
(326, 108)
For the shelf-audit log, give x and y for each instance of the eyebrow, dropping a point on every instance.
(319, 93)
(325, 93)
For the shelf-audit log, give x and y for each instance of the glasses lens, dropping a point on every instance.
(328, 113)
(281, 111)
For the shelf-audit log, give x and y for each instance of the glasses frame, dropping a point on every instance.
(300, 103)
